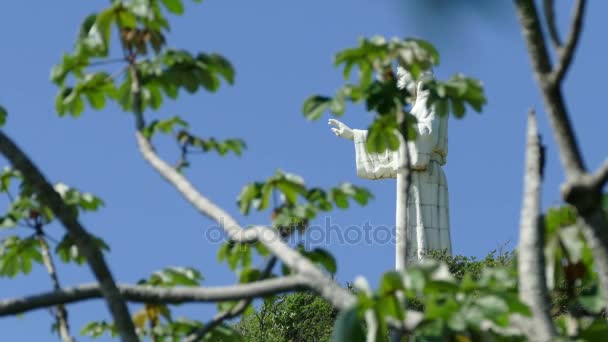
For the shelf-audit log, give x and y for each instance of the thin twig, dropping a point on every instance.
(201, 203)
(61, 314)
(567, 51)
(549, 10)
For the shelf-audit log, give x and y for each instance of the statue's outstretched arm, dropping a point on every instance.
(340, 129)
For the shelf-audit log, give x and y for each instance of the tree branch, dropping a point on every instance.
(576, 190)
(600, 177)
(50, 198)
(154, 295)
(567, 51)
(61, 314)
(199, 202)
(549, 10)
(317, 280)
(530, 23)
(531, 265)
(569, 152)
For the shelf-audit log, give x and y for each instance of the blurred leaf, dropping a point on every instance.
(3, 115)
(174, 6)
(391, 282)
(17, 255)
(67, 250)
(315, 106)
(175, 276)
(348, 327)
(321, 257)
(97, 329)
(82, 200)
(248, 194)
(382, 135)
(249, 275)
(164, 126)
(223, 333)
(237, 255)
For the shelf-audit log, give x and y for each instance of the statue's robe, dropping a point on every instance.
(427, 204)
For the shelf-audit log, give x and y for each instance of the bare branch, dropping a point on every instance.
(136, 91)
(530, 23)
(50, 198)
(233, 312)
(61, 314)
(576, 190)
(567, 51)
(317, 280)
(531, 265)
(154, 295)
(202, 204)
(549, 10)
(569, 152)
(600, 177)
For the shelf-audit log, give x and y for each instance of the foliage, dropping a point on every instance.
(296, 317)
(458, 298)
(156, 320)
(377, 87)
(303, 316)
(17, 254)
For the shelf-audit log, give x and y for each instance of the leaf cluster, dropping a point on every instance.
(377, 86)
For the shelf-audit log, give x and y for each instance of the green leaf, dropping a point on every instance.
(266, 192)
(68, 251)
(348, 327)
(164, 126)
(96, 99)
(17, 255)
(221, 65)
(174, 276)
(457, 108)
(104, 25)
(3, 115)
(127, 19)
(339, 198)
(382, 134)
(596, 331)
(246, 197)
(235, 145)
(315, 106)
(250, 274)
(321, 257)
(222, 333)
(97, 329)
(492, 307)
(82, 200)
(174, 6)
(391, 282)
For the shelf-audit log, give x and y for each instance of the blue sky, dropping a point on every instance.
(282, 52)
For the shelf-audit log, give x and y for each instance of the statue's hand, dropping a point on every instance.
(340, 129)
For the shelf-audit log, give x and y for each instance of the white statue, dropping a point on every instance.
(428, 226)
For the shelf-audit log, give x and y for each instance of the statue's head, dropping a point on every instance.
(405, 80)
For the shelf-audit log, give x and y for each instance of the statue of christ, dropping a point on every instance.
(428, 226)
